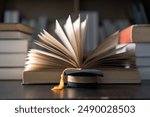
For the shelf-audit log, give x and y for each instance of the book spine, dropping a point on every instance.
(14, 46)
(144, 72)
(11, 73)
(13, 60)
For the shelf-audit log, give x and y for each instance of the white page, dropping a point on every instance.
(77, 30)
(59, 31)
(49, 55)
(83, 35)
(69, 29)
(49, 39)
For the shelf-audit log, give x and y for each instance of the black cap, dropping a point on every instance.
(84, 72)
(85, 78)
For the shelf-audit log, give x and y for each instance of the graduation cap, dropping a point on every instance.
(83, 78)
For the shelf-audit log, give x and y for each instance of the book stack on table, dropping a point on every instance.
(139, 35)
(14, 44)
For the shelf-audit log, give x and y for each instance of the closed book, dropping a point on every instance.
(135, 34)
(11, 73)
(144, 72)
(16, 27)
(143, 61)
(12, 59)
(14, 35)
(110, 76)
(142, 49)
(14, 46)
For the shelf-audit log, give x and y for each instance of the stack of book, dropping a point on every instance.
(14, 44)
(139, 35)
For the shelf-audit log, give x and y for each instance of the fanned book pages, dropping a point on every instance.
(67, 52)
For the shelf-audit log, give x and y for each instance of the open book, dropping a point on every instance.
(68, 50)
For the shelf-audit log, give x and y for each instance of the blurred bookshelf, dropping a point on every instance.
(112, 15)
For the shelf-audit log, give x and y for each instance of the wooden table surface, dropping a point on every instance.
(15, 90)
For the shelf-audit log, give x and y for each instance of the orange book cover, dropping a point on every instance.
(125, 35)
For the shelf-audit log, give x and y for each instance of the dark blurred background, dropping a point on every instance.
(108, 15)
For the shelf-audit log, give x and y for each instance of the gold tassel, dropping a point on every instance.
(61, 83)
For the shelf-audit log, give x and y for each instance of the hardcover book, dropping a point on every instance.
(16, 27)
(137, 33)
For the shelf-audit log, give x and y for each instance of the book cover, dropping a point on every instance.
(7, 35)
(16, 27)
(137, 33)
